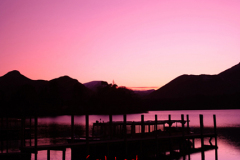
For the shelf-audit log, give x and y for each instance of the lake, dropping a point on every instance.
(228, 124)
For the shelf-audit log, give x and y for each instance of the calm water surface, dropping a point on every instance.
(228, 122)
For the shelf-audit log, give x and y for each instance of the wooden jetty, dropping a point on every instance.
(120, 140)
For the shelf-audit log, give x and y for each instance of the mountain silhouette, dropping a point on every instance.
(226, 82)
(220, 91)
(21, 95)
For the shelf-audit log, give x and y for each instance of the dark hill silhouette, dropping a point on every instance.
(199, 91)
(21, 95)
(226, 82)
(232, 75)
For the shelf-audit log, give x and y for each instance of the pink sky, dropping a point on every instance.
(137, 43)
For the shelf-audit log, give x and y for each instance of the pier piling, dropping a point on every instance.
(202, 138)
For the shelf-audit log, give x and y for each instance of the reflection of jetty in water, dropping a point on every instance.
(157, 139)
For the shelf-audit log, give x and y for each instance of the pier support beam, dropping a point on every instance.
(23, 132)
(125, 133)
(202, 138)
(7, 134)
(182, 148)
(30, 127)
(188, 129)
(1, 135)
(35, 135)
(215, 133)
(142, 125)
(169, 124)
(48, 154)
(87, 133)
(35, 131)
(169, 132)
(110, 126)
(72, 128)
(142, 133)
(156, 135)
(64, 154)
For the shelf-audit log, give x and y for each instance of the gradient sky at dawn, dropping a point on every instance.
(136, 43)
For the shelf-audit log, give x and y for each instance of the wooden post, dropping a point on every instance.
(110, 126)
(103, 129)
(1, 135)
(142, 124)
(155, 126)
(193, 143)
(93, 130)
(215, 133)
(64, 154)
(133, 129)
(125, 126)
(48, 154)
(188, 129)
(87, 132)
(169, 132)
(149, 128)
(23, 132)
(30, 127)
(156, 135)
(7, 134)
(182, 119)
(35, 134)
(72, 128)
(36, 152)
(35, 127)
(169, 124)
(183, 136)
(202, 138)
(125, 132)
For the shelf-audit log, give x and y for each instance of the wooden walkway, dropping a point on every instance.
(33, 149)
(145, 144)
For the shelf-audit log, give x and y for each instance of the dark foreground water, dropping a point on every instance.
(228, 124)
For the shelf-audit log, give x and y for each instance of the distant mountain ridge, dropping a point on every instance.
(20, 95)
(226, 82)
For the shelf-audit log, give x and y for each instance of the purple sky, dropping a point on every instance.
(138, 43)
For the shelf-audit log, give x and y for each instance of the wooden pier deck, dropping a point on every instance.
(167, 143)
(33, 149)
